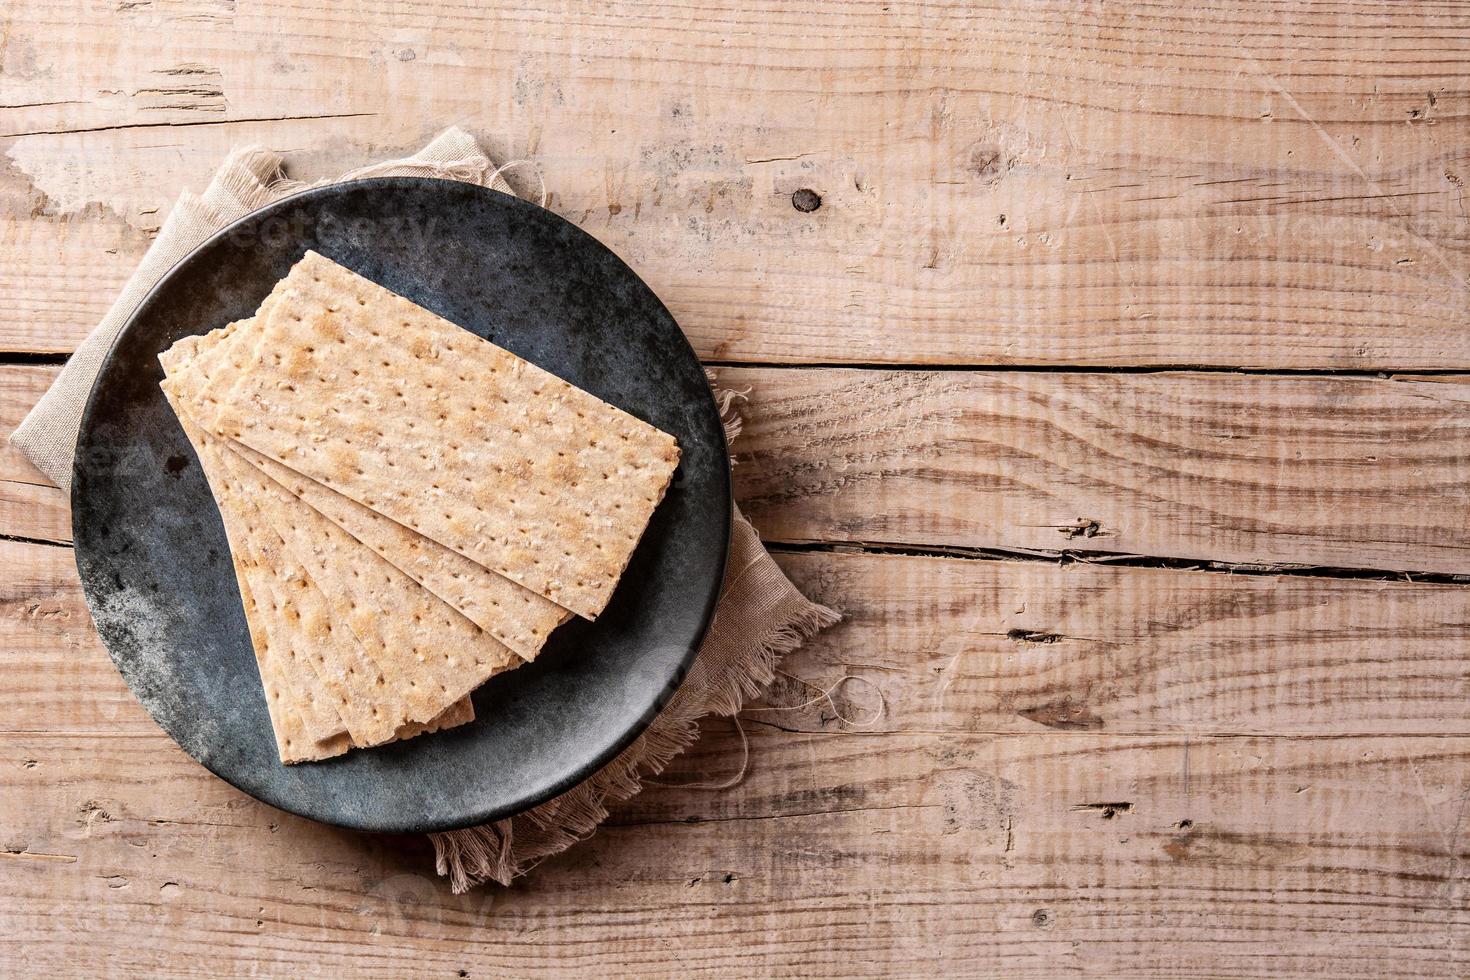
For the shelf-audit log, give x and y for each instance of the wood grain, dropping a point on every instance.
(1352, 472)
(56, 676)
(955, 645)
(1230, 184)
(30, 506)
(944, 645)
(1307, 470)
(1081, 768)
(1053, 855)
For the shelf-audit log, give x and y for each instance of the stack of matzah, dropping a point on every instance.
(410, 509)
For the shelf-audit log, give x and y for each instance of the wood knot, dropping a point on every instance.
(989, 163)
(806, 200)
(1084, 528)
(1063, 715)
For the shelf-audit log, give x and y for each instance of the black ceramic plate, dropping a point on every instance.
(156, 568)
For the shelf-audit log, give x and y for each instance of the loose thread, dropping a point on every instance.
(494, 174)
(824, 695)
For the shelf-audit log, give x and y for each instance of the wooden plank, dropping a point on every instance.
(1012, 183)
(839, 855)
(964, 646)
(1350, 472)
(1354, 472)
(56, 675)
(954, 645)
(30, 506)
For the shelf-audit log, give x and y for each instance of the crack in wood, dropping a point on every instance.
(1070, 556)
(43, 542)
(21, 357)
(694, 819)
(24, 854)
(185, 122)
(1182, 367)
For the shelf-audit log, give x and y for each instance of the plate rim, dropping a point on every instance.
(108, 363)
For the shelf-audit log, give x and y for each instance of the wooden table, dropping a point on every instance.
(1105, 372)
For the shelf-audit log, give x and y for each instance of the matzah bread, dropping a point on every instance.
(283, 611)
(427, 655)
(513, 614)
(450, 435)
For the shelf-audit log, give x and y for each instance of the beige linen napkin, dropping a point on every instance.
(760, 616)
